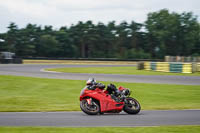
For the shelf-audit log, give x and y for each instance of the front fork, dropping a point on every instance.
(89, 101)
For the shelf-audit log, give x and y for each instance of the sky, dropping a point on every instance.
(66, 12)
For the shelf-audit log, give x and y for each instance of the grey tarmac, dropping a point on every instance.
(36, 70)
(79, 119)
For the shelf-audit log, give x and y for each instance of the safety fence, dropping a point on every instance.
(174, 67)
(11, 61)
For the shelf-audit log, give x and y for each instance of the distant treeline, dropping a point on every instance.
(163, 33)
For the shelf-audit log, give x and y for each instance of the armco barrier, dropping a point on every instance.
(11, 61)
(175, 67)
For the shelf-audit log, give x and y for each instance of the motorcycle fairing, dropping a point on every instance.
(107, 104)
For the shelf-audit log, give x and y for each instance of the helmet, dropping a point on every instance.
(91, 81)
(126, 92)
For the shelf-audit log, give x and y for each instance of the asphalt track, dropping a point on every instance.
(36, 70)
(79, 119)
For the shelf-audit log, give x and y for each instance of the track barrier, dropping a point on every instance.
(174, 67)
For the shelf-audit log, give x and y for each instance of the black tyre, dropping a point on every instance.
(92, 109)
(132, 106)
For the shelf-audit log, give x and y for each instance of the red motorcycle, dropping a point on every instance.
(95, 100)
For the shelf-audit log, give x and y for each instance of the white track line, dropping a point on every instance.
(43, 70)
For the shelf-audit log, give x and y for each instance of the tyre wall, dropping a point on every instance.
(174, 67)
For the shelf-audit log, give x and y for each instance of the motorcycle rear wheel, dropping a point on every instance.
(132, 107)
(92, 109)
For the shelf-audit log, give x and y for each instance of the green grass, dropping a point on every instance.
(37, 94)
(116, 70)
(161, 129)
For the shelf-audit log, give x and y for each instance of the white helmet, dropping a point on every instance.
(91, 81)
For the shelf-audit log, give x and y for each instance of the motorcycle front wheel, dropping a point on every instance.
(132, 106)
(90, 109)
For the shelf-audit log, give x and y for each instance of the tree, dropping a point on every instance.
(2, 42)
(171, 33)
(48, 46)
(163, 33)
(66, 48)
(28, 41)
(11, 38)
(196, 48)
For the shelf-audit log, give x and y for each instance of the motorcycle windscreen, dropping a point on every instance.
(82, 91)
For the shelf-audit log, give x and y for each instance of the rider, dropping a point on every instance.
(111, 88)
(92, 84)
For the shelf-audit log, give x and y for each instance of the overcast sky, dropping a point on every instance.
(66, 12)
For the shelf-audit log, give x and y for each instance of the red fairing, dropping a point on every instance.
(95, 100)
(107, 104)
(121, 88)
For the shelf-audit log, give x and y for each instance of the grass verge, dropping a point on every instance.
(78, 62)
(161, 129)
(117, 70)
(37, 94)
